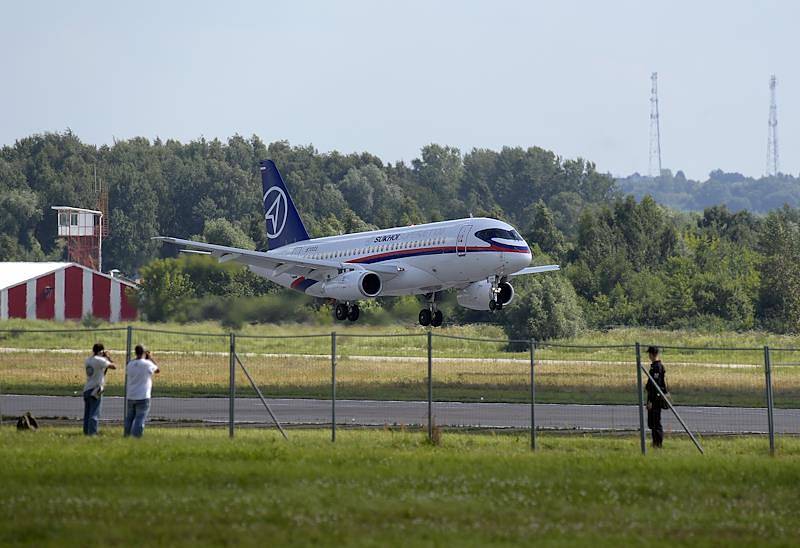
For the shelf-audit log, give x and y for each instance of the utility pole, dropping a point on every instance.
(773, 165)
(655, 130)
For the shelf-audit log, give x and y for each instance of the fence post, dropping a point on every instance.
(533, 396)
(768, 392)
(333, 386)
(430, 386)
(641, 402)
(128, 355)
(232, 387)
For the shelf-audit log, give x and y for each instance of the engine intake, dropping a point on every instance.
(352, 286)
(506, 294)
(476, 296)
(370, 284)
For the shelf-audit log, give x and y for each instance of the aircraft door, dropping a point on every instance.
(461, 240)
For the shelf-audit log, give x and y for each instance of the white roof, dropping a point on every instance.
(80, 209)
(12, 274)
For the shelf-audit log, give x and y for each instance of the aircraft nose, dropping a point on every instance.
(524, 259)
(517, 261)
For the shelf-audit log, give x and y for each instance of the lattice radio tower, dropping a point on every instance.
(655, 130)
(773, 165)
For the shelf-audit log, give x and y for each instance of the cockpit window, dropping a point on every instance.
(489, 233)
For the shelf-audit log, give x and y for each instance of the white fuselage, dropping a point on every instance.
(427, 258)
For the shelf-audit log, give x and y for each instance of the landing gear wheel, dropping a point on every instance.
(425, 317)
(437, 319)
(353, 312)
(493, 305)
(340, 311)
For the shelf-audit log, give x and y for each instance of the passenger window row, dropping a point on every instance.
(370, 250)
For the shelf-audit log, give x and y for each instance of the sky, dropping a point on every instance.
(390, 77)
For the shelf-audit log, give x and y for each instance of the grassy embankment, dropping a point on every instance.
(287, 360)
(192, 487)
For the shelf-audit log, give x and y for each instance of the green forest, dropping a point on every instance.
(626, 260)
(733, 190)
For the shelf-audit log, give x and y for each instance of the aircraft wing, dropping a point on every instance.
(536, 269)
(276, 262)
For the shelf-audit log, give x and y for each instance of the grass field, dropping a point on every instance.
(391, 363)
(621, 336)
(376, 488)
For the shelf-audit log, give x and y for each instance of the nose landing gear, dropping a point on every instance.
(431, 315)
(495, 303)
(346, 311)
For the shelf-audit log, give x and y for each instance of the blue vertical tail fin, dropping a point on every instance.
(284, 225)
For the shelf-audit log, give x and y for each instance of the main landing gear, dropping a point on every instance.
(431, 315)
(346, 311)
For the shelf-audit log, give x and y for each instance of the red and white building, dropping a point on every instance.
(62, 291)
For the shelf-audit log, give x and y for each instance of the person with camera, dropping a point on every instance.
(139, 382)
(655, 402)
(95, 366)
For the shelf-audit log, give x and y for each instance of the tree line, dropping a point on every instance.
(626, 261)
(734, 190)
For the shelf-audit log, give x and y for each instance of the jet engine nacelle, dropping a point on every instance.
(476, 296)
(353, 285)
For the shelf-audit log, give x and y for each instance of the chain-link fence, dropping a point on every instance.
(586, 387)
(291, 373)
(784, 382)
(42, 371)
(718, 390)
(481, 383)
(381, 380)
(420, 380)
(194, 381)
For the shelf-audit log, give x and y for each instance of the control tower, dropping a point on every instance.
(83, 230)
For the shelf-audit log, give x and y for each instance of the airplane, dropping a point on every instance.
(475, 256)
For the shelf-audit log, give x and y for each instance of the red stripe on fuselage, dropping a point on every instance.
(402, 253)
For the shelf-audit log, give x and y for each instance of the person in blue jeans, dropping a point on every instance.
(139, 381)
(95, 366)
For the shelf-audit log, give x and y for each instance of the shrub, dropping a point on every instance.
(545, 307)
(89, 321)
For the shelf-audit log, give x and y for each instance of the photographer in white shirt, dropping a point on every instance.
(139, 382)
(95, 366)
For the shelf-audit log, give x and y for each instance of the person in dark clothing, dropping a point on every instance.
(654, 400)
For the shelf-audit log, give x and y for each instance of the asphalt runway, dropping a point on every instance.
(450, 414)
